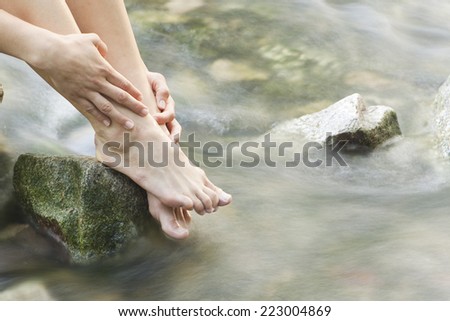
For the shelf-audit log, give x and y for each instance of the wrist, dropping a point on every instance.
(38, 54)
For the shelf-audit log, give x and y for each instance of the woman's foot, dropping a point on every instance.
(151, 160)
(174, 221)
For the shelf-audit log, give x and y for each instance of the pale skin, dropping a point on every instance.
(113, 93)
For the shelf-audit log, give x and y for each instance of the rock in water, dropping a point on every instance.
(442, 118)
(8, 211)
(348, 120)
(92, 209)
(27, 291)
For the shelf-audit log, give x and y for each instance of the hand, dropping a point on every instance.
(166, 105)
(75, 66)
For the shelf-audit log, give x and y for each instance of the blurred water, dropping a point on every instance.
(377, 229)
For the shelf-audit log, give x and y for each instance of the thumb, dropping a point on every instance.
(99, 44)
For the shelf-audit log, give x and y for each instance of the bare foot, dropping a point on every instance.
(175, 181)
(174, 221)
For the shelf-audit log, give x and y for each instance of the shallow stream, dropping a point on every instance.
(377, 229)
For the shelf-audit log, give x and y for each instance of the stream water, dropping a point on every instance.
(377, 229)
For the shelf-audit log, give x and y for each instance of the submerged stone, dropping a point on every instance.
(27, 291)
(183, 6)
(347, 120)
(92, 209)
(229, 71)
(7, 209)
(442, 118)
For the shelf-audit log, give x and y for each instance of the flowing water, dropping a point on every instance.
(377, 229)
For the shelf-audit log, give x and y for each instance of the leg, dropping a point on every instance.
(48, 14)
(174, 185)
(173, 221)
(113, 27)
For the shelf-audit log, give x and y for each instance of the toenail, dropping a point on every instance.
(224, 197)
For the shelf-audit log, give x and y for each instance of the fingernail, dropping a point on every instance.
(107, 123)
(209, 210)
(144, 112)
(162, 104)
(129, 124)
(224, 197)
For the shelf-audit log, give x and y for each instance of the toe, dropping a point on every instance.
(171, 226)
(174, 201)
(206, 201)
(224, 198)
(187, 216)
(183, 217)
(214, 199)
(199, 207)
(168, 218)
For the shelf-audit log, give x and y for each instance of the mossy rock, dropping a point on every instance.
(348, 120)
(8, 208)
(92, 209)
(442, 119)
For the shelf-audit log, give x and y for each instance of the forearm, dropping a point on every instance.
(22, 40)
(109, 19)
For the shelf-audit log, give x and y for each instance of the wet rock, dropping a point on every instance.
(183, 6)
(347, 120)
(368, 79)
(23, 249)
(93, 210)
(229, 71)
(27, 291)
(7, 204)
(442, 118)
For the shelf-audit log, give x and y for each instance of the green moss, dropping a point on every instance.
(92, 209)
(361, 140)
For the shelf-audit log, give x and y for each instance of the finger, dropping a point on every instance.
(101, 46)
(174, 128)
(168, 114)
(107, 108)
(160, 89)
(115, 78)
(91, 109)
(164, 117)
(124, 99)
